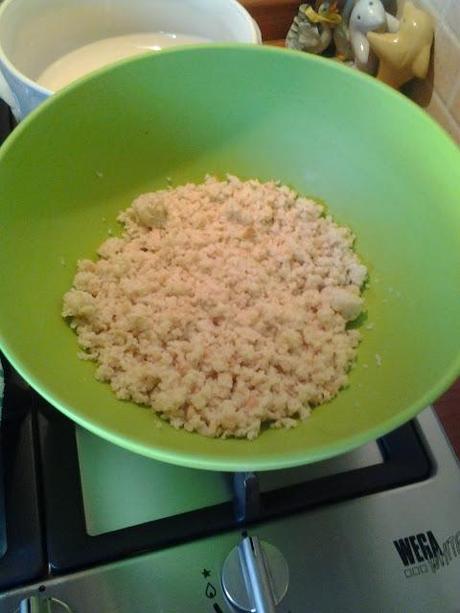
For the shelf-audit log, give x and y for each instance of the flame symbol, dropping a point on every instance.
(210, 591)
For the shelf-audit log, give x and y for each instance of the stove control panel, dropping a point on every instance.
(36, 604)
(255, 576)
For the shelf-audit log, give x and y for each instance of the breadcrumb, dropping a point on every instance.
(223, 306)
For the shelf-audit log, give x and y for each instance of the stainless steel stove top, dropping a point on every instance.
(393, 550)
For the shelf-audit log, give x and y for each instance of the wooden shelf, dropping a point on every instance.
(275, 43)
(448, 410)
(273, 16)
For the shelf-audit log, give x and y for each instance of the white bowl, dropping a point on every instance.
(35, 33)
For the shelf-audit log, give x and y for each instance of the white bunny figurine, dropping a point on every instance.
(368, 16)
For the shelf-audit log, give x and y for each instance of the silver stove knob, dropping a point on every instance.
(255, 576)
(37, 604)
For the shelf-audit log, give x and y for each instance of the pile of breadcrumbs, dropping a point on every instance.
(223, 306)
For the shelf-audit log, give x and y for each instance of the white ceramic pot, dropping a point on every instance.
(35, 33)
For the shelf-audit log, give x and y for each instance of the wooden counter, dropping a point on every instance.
(274, 18)
(448, 410)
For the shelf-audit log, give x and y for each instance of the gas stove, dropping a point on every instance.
(87, 527)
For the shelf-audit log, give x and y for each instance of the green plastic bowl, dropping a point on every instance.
(381, 165)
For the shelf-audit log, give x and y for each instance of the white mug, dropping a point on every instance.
(35, 33)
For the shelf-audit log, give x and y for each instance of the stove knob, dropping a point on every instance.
(37, 604)
(255, 576)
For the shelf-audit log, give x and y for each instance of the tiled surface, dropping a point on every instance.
(446, 62)
(437, 5)
(452, 17)
(455, 104)
(439, 111)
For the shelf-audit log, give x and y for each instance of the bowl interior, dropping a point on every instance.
(381, 165)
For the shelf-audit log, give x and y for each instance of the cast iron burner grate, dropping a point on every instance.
(70, 547)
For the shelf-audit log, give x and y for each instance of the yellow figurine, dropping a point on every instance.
(406, 53)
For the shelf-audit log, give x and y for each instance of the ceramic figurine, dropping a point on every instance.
(368, 16)
(312, 30)
(406, 53)
(341, 35)
(347, 7)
